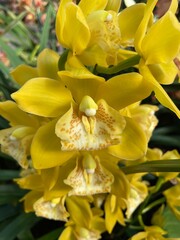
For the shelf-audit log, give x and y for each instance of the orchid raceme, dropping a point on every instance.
(84, 122)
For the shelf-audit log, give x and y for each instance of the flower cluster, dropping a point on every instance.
(78, 119)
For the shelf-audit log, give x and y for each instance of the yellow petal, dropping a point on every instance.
(49, 177)
(85, 85)
(80, 132)
(47, 64)
(60, 188)
(70, 15)
(10, 111)
(160, 93)
(78, 77)
(93, 55)
(123, 90)
(46, 148)
(120, 186)
(110, 216)
(32, 181)
(173, 7)
(142, 29)
(165, 34)
(136, 148)
(113, 5)
(51, 210)
(19, 149)
(29, 199)
(164, 73)
(44, 97)
(76, 204)
(112, 213)
(129, 20)
(23, 73)
(90, 6)
(67, 234)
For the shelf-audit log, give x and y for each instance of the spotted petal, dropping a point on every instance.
(85, 182)
(51, 209)
(90, 133)
(19, 149)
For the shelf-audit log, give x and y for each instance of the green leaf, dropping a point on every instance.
(173, 141)
(46, 29)
(10, 193)
(13, 23)
(8, 174)
(11, 54)
(25, 235)
(171, 223)
(7, 211)
(22, 222)
(154, 166)
(53, 235)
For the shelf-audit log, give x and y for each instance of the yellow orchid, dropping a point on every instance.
(47, 66)
(173, 198)
(37, 201)
(113, 209)
(97, 39)
(152, 232)
(138, 192)
(144, 114)
(157, 58)
(16, 140)
(87, 224)
(143, 118)
(91, 123)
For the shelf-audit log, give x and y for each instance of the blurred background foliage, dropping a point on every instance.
(26, 28)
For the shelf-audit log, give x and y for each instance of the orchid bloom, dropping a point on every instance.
(92, 121)
(157, 57)
(16, 140)
(92, 43)
(36, 200)
(152, 232)
(87, 224)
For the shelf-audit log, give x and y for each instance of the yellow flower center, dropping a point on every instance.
(90, 127)
(106, 33)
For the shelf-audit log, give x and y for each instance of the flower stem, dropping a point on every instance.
(130, 62)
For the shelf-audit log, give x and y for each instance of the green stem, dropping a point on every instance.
(153, 204)
(130, 62)
(154, 166)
